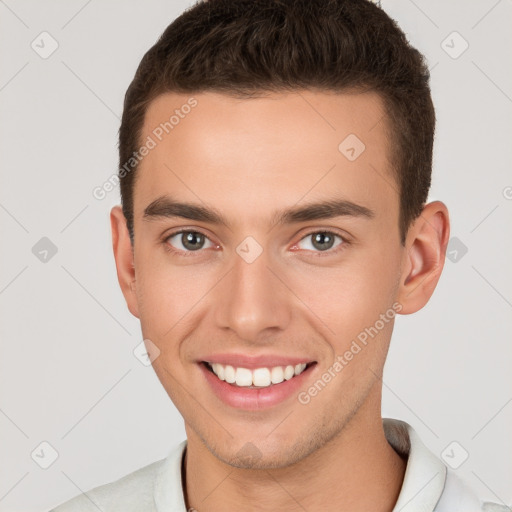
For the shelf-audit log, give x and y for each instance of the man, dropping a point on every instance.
(275, 162)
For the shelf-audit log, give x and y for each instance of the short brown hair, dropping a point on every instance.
(242, 47)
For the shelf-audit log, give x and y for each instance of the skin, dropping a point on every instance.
(248, 158)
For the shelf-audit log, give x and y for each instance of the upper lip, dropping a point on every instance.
(253, 362)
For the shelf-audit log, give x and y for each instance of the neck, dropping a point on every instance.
(357, 470)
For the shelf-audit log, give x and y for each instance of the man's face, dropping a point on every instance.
(264, 290)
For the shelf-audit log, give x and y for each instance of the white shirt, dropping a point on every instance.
(428, 486)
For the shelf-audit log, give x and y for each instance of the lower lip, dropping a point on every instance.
(254, 399)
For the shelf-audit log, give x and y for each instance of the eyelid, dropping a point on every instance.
(345, 240)
(168, 235)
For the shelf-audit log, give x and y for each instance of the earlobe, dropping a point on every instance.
(425, 250)
(123, 255)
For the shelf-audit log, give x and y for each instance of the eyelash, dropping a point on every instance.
(340, 247)
(178, 252)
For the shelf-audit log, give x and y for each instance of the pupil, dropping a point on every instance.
(323, 241)
(192, 241)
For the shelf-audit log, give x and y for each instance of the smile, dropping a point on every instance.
(257, 378)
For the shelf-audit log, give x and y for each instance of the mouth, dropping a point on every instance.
(258, 378)
(259, 387)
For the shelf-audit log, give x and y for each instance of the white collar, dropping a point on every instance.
(425, 474)
(422, 487)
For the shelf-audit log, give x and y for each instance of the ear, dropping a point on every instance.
(123, 254)
(425, 250)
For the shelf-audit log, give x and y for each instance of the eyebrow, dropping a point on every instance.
(167, 207)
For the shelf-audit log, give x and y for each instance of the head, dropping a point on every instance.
(292, 141)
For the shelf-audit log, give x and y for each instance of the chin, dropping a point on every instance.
(265, 454)
(250, 457)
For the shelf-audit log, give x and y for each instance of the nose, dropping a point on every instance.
(251, 301)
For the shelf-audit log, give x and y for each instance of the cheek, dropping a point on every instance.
(169, 296)
(348, 298)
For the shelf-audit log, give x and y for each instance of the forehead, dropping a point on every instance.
(278, 148)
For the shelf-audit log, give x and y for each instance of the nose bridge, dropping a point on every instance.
(250, 299)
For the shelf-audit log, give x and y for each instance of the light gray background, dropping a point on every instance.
(68, 375)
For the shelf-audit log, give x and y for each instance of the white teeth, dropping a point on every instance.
(243, 377)
(260, 377)
(289, 372)
(219, 370)
(277, 375)
(299, 368)
(229, 374)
